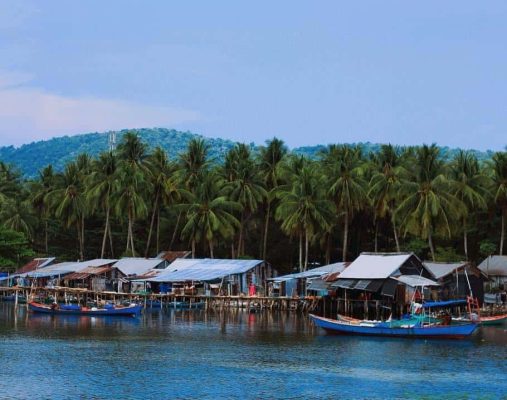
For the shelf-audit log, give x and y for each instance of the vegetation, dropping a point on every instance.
(290, 209)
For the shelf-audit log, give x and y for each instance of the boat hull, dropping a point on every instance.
(383, 329)
(122, 311)
(494, 320)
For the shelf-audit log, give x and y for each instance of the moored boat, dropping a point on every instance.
(411, 328)
(56, 309)
(494, 319)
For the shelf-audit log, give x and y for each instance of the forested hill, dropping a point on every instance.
(32, 157)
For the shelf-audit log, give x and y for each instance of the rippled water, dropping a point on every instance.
(191, 354)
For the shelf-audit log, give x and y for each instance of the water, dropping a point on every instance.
(191, 354)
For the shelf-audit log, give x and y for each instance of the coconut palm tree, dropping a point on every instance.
(209, 213)
(347, 187)
(16, 214)
(103, 186)
(469, 185)
(68, 202)
(39, 190)
(164, 189)
(270, 159)
(193, 162)
(304, 209)
(429, 207)
(384, 187)
(246, 186)
(499, 166)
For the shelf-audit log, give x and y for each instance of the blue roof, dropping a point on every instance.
(207, 269)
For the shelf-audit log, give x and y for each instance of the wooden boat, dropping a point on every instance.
(55, 309)
(487, 321)
(411, 328)
(494, 320)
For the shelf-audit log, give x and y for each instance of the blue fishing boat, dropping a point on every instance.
(410, 328)
(71, 309)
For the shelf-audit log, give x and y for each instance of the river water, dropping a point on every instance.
(192, 354)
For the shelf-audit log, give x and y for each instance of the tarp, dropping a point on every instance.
(494, 266)
(206, 269)
(374, 266)
(313, 273)
(448, 303)
(131, 266)
(416, 281)
(440, 270)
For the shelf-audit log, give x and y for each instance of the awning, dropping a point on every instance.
(369, 285)
(448, 303)
(318, 285)
(416, 281)
(87, 272)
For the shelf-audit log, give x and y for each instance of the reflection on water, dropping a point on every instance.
(234, 354)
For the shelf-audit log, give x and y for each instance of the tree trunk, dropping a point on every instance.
(46, 236)
(211, 248)
(193, 248)
(175, 231)
(376, 236)
(396, 240)
(301, 252)
(81, 245)
(104, 238)
(328, 249)
(233, 253)
(465, 238)
(110, 239)
(153, 214)
(345, 236)
(78, 229)
(432, 250)
(240, 239)
(158, 231)
(266, 229)
(502, 237)
(306, 250)
(132, 239)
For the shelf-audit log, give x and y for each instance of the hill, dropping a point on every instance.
(32, 157)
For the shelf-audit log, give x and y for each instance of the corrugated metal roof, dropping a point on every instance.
(137, 266)
(439, 270)
(36, 263)
(416, 281)
(494, 266)
(374, 266)
(206, 269)
(67, 268)
(87, 272)
(314, 272)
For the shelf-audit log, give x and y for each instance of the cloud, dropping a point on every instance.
(30, 113)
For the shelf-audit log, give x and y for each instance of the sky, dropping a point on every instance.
(306, 72)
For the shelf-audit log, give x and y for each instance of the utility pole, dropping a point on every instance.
(112, 141)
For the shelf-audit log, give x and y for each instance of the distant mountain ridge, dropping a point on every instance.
(32, 157)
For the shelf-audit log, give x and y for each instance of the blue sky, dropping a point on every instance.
(307, 72)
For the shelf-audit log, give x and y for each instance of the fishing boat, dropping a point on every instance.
(74, 309)
(413, 327)
(494, 320)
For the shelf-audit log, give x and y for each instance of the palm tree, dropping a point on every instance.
(39, 190)
(68, 202)
(304, 209)
(246, 186)
(193, 162)
(132, 174)
(103, 186)
(270, 159)
(164, 189)
(384, 187)
(16, 215)
(347, 187)
(499, 165)
(429, 207)
(469, 185)
(209, 213)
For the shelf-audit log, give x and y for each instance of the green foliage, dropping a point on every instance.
(14, 249)
(163, 189)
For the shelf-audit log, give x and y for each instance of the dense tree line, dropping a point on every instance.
(265, 203)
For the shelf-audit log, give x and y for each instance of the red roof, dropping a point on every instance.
(34, 264)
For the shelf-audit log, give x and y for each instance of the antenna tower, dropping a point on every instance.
(112, 141)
